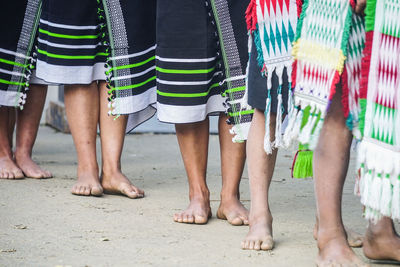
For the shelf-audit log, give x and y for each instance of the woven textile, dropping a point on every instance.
(131, 74)
(201, 62)
(379, 151)
(320, 51)
(19, 22)
(232, 37)
(272, 25)
(81, 41)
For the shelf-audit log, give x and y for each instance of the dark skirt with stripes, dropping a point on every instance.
(193, 61)
(81, 41)
(19, 21)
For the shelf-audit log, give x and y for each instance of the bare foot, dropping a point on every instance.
(354, 239)
(233, 211)
(198, 211)
(30, 168)
(260, 234)
(382, 243)
(9, 170)
(335, 251)
(117, 183)
(88, 184)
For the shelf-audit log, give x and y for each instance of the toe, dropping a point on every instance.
(246, 244)
(179, 218)
(237, 221)
(198, 219)
(96, 191)
(257, 245)
(245, 220)
(185, 218)
(251, 245)
(18, 174)
(11, 175)
(48, 174)
(129, 192)
(190, 219)
(82, 190)
(267, 244)
(87, 191)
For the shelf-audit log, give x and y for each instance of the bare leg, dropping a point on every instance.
(28, 121)
(112, 134)
(331, 159)
(261, 168)
(82, 108)
(193, 142)
(8, 168)
(381, 241)
(233, 157)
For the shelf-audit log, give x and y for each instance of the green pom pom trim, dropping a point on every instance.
(302, 164)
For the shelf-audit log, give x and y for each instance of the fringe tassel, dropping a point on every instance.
(386, 196)
(267, 137)
(379, 184)
(305, 134)
(396, 199)
(251, 16)
(279, 114)
(302, 166)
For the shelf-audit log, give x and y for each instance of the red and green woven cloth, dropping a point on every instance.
(320, 50)
(379, 150)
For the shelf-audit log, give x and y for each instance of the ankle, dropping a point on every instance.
(199, 193)
(326, 235)
(229, 196)
(109, 169)
(91, 168)
(22, 153)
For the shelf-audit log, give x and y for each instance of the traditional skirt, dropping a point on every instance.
(379, 150)
(327, 34)
(77, 38)
(272, 26)
(201, 61)
(16, 43)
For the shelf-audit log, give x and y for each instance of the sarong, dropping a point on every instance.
(81, 41)
(272, 26)
(201, 62)
(379, 150)
(19, 22)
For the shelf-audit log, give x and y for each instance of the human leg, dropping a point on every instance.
(112, 134)
(261, 168)
(193, 142)
(28, 121)
(8, 168)
(82, 108)
(331, 159)
(233, 157)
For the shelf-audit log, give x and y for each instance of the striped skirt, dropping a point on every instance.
(191, 60)
(81, 41)
(16, 43)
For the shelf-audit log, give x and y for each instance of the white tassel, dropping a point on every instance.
(297, 125)
(386, 197)
(396, 199)
(305, 134)
(315, 135)
(267, 138)
(278, 128)
(288, 132)
(367, 182)
(375, 192)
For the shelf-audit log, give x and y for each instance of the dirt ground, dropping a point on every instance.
(42, 224)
